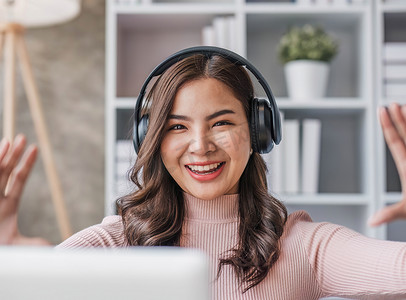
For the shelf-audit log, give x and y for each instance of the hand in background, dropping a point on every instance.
(15, 166)
(393, 123)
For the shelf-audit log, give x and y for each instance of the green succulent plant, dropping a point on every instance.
(307, 42)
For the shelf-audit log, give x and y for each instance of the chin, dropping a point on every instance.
(208, 195)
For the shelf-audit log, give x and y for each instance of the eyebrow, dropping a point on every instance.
(208, 118)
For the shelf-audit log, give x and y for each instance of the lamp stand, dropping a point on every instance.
(12, 41)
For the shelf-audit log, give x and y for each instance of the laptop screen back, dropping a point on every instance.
(133, 273)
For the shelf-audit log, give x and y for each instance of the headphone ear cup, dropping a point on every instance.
(253, 125)
(262, 126)
(139, 132)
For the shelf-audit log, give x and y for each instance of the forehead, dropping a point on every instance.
(204, 96)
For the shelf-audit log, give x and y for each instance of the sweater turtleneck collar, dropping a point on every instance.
(223, 208)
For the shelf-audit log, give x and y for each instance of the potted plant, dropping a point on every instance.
(306, 53)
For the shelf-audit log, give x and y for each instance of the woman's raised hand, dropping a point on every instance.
(393, 122)
(15, 166)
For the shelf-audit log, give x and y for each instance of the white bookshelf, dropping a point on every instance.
(140, 35)
(390, 26)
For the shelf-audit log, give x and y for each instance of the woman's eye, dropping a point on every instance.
(222, 123)
(177, 127)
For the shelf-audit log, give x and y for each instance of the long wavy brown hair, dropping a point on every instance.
(153, 214)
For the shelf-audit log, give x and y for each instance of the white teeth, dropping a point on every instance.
(203, 168)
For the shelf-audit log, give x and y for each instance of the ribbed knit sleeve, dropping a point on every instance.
(348, 264)
(107, 234)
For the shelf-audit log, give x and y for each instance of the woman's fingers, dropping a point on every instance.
(15, 166)
(394, 140)
(388, 214)
(393, 122)
(19, 176)
(398, 119)
(4, 145)
(10, 161)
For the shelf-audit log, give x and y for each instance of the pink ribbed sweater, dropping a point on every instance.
(317, 259)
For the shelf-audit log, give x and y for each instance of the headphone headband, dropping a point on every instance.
(209, 51)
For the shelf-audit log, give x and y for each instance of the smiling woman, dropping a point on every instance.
(199, 116)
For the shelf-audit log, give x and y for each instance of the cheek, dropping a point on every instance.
(237, 141)
(171, 151)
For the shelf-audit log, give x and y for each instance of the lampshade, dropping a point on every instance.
(38, 13)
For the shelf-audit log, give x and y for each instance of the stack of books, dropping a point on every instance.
(394, 69)
(221, 33)
(125, 159)
(294, 164)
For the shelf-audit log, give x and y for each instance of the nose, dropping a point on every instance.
(202, 143)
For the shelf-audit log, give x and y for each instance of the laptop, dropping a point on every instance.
(140, 273)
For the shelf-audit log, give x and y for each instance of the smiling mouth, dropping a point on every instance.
(205, 170)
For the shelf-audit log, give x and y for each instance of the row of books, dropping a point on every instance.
(294, 164)
(394, 69)
(221, 33)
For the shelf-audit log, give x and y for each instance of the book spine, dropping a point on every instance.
(394, 72)
(291, 160)
(395, 89)
(394, 52)
(311, 140)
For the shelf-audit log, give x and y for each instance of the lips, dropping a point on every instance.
(205, 171)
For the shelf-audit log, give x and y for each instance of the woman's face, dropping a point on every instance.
(206, 145)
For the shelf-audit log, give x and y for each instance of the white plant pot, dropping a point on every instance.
(306, 79)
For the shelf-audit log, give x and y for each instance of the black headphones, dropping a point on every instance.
(265, 121)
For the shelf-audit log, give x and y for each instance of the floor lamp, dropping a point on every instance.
(15, 16)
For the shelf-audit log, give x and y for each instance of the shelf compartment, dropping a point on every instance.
(264, 31)
(343, 154)
(395, 26)
(144, 40)
(353, 216)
